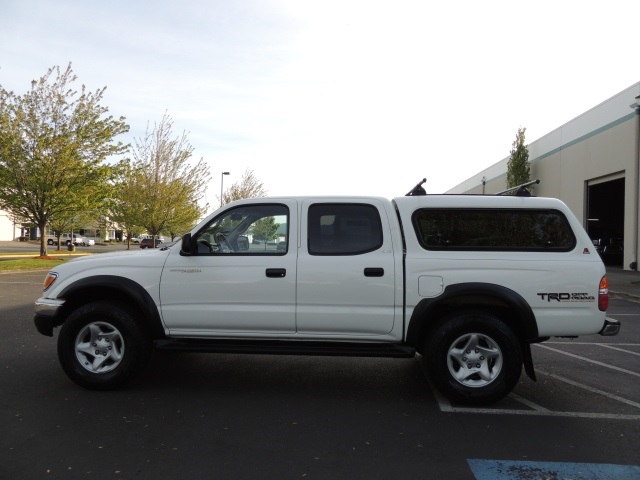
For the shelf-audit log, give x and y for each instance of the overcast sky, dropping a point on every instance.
(334, 96)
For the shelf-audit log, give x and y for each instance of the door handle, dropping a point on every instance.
(276, 272)
(374, 272)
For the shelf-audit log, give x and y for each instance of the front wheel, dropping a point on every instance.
(101, 346)
(473, 358)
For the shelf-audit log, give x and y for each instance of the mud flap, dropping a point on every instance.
(528, 361)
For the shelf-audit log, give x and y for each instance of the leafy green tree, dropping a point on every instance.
(518, 167)
(183, 219)
(67, 223)
(84, 212)
(54, 141)
(265, 229)
(248, 187)
(168, 188)
(126, 202)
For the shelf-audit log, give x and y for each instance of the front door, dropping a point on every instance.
(241, 279)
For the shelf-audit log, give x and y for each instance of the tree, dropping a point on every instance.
(183, 220)
(265, 229)
(248, 187)
(518, 167)
(165, 189)
(65, 223)
(126, 201)
(53, 142)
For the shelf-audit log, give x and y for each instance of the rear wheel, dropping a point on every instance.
(101, 346)
(473, 358)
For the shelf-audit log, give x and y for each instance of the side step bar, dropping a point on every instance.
(275, 347)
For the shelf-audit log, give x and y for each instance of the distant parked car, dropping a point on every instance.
(148, 243)
(89, 242)
(159, 238)
(65, 239)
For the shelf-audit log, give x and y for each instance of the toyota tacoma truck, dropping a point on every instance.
(466, 282)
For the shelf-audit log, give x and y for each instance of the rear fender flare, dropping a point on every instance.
(464, 295)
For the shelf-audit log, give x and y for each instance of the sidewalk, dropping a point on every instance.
(624, 284)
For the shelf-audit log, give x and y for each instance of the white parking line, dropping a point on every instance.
(606, 365)
(618, 349)
(538, 410)
(445, 406)
(529, 403)
(592, 343)
(590, 389)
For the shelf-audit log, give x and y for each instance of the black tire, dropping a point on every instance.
(473, 358)
(49, 242)
(101, 346)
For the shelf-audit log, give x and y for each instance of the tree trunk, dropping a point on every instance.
(43, 239)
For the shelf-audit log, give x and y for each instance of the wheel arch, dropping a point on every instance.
(115, 288)
(505, 303)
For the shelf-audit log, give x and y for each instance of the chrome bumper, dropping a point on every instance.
(48, 307)
(611, 327)
(45, 318)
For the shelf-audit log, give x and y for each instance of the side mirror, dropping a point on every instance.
(243, 243)
(185, 246)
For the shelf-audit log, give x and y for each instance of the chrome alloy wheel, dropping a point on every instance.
(99, 347)
(474, 360)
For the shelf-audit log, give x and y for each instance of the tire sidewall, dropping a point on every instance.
(452, 328)
(136, 347)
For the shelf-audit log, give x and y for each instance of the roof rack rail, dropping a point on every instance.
(521, 190)
(417, 190)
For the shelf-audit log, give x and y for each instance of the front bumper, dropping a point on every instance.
(610, 328)
(46, 316)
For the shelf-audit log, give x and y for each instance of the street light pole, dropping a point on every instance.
(222, 185)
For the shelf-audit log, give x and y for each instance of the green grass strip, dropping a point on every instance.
(29, 263)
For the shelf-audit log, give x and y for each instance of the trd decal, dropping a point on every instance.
(567, 297)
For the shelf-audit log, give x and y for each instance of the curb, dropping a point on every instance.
(25, 270)
(624, 296)
(18, 256)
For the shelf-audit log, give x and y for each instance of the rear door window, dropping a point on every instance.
(343, 229)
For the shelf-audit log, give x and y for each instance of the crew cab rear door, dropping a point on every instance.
(346, 269)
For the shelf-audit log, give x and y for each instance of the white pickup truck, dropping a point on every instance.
(467, 282)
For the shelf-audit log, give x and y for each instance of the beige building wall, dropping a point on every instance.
(600, 145)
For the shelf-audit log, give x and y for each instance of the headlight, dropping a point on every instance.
(49, 279)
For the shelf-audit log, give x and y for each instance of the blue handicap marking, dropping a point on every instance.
(516, 470)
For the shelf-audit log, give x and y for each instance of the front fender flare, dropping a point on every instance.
(127, 290)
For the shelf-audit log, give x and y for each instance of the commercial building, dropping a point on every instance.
(592, 163)
(9, 229)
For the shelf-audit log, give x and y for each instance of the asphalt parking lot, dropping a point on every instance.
(251, 416)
